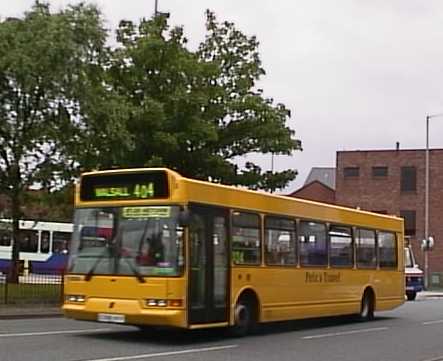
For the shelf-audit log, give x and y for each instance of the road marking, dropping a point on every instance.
(169, 353)
(344, 333)
(432, 322)
(45, 333)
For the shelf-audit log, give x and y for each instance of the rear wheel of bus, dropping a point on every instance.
(367, 306)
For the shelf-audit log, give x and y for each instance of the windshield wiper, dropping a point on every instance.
(90, 273)
(134, 270)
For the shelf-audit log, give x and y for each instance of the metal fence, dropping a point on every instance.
(44, 289)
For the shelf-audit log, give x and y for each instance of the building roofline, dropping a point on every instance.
(389, 150)
(307, 185)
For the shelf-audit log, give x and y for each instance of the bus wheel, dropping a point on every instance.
(367, 307)
(244, 319)
(411, 295)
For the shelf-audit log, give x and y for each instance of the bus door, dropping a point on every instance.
(208, 274)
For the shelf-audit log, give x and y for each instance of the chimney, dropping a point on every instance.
(397, 146)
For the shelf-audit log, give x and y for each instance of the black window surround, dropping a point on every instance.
(408, 179)
(379, 171)
(351, 172)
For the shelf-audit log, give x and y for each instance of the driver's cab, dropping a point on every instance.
(414, 275)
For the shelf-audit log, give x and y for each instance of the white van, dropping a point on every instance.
(414, 275)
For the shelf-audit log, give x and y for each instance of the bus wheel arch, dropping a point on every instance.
(367, 305)
(246, 313)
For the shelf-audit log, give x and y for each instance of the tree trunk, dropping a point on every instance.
(14, 270)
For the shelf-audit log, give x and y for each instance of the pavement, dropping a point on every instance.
(29, 311)
(45, 311)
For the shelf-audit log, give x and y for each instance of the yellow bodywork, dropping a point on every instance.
(123, 295)
(283, 292)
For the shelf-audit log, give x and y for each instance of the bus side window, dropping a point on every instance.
(280, 241)
(387, 248)
(313, 244)
(44, 244)
(60, 242)
(28, 241)
(341, 252)
(5, 238)
(246, 242)
(365, 248)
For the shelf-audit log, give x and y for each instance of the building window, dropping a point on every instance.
(379, 171)
(408, 181)
(351, 171)
(409, 217)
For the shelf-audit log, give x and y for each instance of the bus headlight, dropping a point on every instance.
(75, 298)
(155, 303)
(163, 303)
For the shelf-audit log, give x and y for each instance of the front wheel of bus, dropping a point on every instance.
(367, 307)
(244, 319)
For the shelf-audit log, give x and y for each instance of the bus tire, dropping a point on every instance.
(367, 306)
(411, 295)
(244, 317)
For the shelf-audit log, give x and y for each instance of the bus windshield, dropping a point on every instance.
(141, 241)
(409, 262)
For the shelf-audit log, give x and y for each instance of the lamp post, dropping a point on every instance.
(427, 196)
(159, 13)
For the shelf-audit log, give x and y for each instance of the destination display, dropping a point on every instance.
(128, 186)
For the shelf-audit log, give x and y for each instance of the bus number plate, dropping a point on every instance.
(110, 317)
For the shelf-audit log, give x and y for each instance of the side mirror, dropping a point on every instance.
(184, 218)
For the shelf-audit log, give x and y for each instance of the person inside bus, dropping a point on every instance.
(156, 250)
(28, 244)
(45, 244)
(5, 240)
(151, 251)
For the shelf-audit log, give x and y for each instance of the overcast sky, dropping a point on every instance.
(358, 75)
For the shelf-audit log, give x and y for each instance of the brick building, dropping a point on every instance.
(393, 182)
(390, 182)
(319, 186)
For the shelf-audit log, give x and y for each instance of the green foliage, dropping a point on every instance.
(196, 112)
(50, 68)
(48, 65)
(69, 103)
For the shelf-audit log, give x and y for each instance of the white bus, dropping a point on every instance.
(43, 245)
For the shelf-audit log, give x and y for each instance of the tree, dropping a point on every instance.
(247, 121)
(196, 112)
(48, 64)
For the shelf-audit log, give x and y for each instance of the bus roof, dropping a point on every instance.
(186, 190)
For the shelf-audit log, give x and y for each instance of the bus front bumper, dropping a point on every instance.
(126, 312)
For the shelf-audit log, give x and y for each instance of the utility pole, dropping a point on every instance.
(427, 181)
(156, 8)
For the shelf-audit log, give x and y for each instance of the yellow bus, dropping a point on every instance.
(151, 247)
